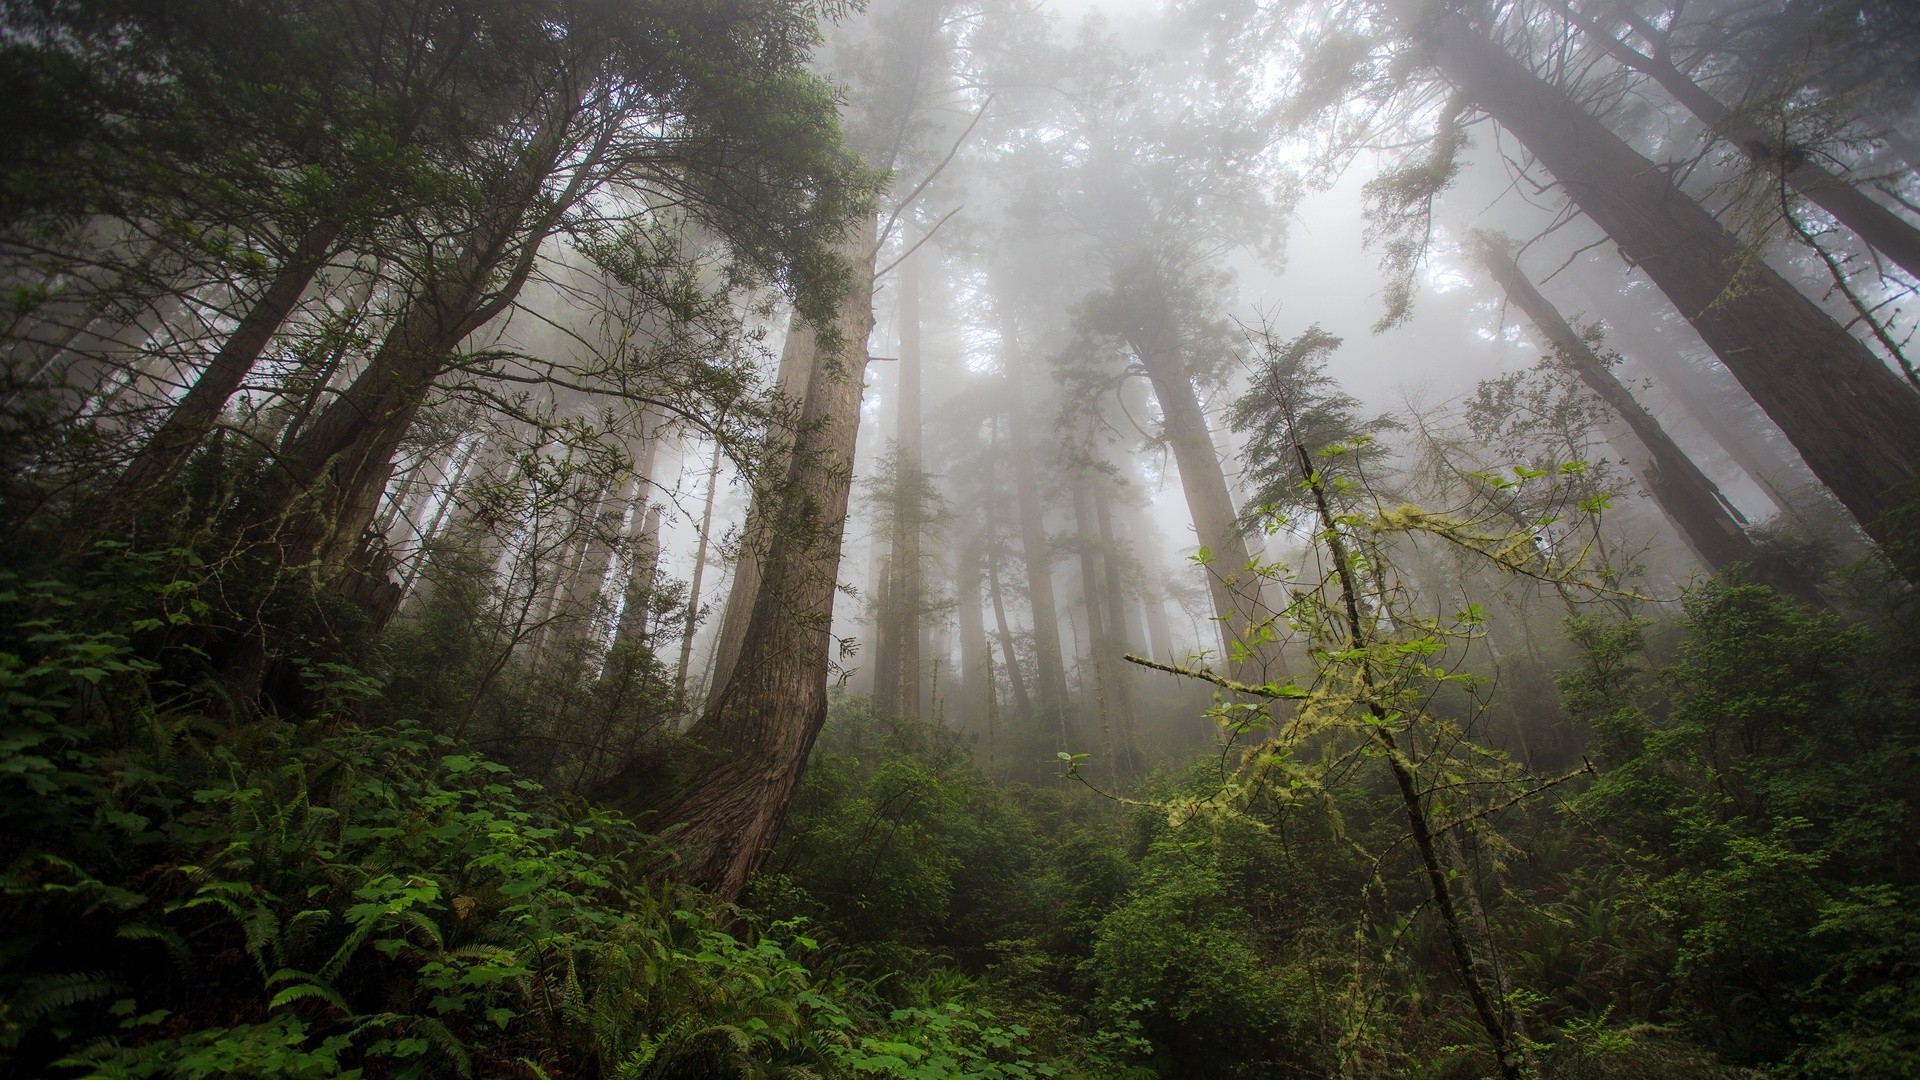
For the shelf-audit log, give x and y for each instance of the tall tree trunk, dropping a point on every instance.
(797, 359)
(335, 471)
(1853, 420)
(1694, 503)
(886, 643)
(1105, 642)
(1731, 427)
(905, 678)
(1052, 674)
(197, 413)
(976, 672)
(699, 571)
(1250, 652)
(1122, 628)
(1876, 225)
(755, 736)
(1146, 542)
(637, 592)
(1022, 701)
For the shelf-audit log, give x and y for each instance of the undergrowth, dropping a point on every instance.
(300, 897)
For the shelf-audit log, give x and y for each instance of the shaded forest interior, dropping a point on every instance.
(960, 538)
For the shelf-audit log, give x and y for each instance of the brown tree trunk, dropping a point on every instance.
(1250, 654)
(753, 741)
(1732, 428)
(637, 591)
(976, 671)
(699, 571)
(1146, 542)
(1692, 502)
(797, 358)
(1853, 420)
(1877, 226)
(197, 413)
(900, 695)
(1052, 674)
(1105, 642)
(1122, 628)
(1022, 701)
(335, 471)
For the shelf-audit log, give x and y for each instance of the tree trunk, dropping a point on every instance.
(1853, 420)
(752, 743)
(1694, 503)
(1877, 226)
(1731, 427)
(975, 661)
(699, 571)
(902, 692)
(1146, 543)
(1022, 701)
(797, 359)
(197, 413)
(1105, 642)
(1123, 628)
(1052, 674)
(637, 592)
(335, 471)
(1250, 654)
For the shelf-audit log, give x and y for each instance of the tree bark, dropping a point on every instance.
(1106, 642)
(1732, 427)
(1693, 502)
(1022, 701)
(1250, 654)
(335, 471)
(187, 426)
(753, 741)
(1853, 420)
(699, 571)
(1122, 628)
(1876, 225)
(900, 693)
(1052, 673)
(797, 359)
(975, 661)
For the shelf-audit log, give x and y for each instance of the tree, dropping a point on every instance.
(752, 742)
(1704, 518)
(1855, 423)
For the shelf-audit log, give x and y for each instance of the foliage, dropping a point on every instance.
(266, 898)
(1764, 785)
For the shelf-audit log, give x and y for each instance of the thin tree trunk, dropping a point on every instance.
(975, 656)
(904, 689)
(1853, 420)
(1102, 639)
(637, 591)
(699, 571)
(757, 732)
(1122, 627)
(1490, 1011)
(1022, 701)
(1146, 541)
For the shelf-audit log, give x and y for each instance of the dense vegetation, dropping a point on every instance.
(376, 702)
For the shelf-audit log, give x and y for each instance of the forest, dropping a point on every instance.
(928, 539)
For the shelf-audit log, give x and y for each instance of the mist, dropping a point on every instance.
(1166, 538)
